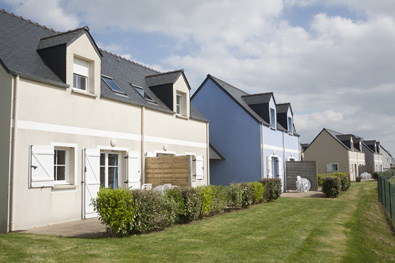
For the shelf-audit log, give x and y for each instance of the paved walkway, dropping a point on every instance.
(308, 194)
(89, 228)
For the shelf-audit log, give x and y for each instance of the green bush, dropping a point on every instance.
(257, 192)
(345, 181)
(247, 195)
(235, 196)
(320, 179)
(331, 186)
(188, 203)
(272, 188)
(220, 198)
(154, 211)
(116, 208)
(375, 175)
(207, 199)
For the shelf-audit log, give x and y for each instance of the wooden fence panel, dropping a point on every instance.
(173, 170)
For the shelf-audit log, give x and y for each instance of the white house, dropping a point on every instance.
(74, 118)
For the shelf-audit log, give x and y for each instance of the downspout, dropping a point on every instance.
(14, 108)
(262, 154)
(142, 146)
(284, 163)
(208, 152)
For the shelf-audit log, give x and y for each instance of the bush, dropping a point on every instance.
(344, 180)
(188, 203)
(116, 209)
(320, 179)
(331, 186)
(154, 211)
(235, 195)
(247, 196)
(219, 199)
(207, 199)
(375, 175)
(272, 188)
(257, 192)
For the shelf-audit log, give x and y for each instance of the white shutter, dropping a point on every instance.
(134, 175)
(269, 167)
(329, 168)
(92, 180)
(199, 167)
(42, 166)
(280, 168)
(81, 67)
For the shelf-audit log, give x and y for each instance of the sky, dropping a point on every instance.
(333, 60)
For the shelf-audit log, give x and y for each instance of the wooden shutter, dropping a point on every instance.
(42, 166)
(199, 167)
(92, 180)
(269, 167)
(134, 175)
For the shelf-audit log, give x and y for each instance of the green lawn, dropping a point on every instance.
(351, 228)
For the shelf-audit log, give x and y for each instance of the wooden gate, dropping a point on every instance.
(167, 170)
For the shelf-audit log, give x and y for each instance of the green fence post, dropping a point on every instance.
(393, 203)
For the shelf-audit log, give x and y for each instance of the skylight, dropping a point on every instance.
(144, 94)
(113, 85)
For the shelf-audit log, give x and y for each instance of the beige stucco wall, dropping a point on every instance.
(324, 150)
(356, 159)
(6, 83)
(181, 86)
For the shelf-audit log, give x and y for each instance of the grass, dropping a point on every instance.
(351, 228)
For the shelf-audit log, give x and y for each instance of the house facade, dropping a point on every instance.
(336, 152)
(386, 158)
(75, 118)
(251, 135)
(373, 156)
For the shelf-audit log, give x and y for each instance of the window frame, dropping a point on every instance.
(121, 92)
(78, 75)
(145, 95)
(290, 126)
(66, 165)
(77, 84)
(181, 104)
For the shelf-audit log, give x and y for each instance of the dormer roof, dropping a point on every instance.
(165, 78)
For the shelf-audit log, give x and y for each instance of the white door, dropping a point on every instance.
(110, 170)
(91, 179)
(134, 167)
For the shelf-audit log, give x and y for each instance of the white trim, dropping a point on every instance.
(69, 145)
(165, 152)
(109, 148)
(47, 127)
(276, 148)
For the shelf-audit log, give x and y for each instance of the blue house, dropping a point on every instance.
(251, 136)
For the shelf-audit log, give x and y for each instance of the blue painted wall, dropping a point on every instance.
(234, 132)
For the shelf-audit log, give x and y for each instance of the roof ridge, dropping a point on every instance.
(128, 60)
(228, 84)
(29, 21)
(168, 72)
(67, 32)
(259, 94)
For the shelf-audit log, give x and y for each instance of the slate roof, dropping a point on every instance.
(20, 39)
(165, 78)
(258, 98)
(215, 154)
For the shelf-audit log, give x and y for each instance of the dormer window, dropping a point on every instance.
(144, 94)
(290, 128)
(180, 104)
(272, 117)
(113, 85)
(81, 74)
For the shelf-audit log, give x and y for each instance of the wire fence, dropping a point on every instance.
(386, 191)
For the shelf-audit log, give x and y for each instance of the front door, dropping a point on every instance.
(275, 167)
(110, 170)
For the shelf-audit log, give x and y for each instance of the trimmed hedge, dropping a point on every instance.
(127, 211)
(331, 186)
(345, 181)
(320, 176)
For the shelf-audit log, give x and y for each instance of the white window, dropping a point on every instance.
(61, 165)
(290, 130)
(81, 74)
(109, 170)
(180, 104)
(272, 117)
(332, 167)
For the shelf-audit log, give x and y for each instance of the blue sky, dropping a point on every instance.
(333, 60)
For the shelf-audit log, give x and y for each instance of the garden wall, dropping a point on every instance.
(305, 169)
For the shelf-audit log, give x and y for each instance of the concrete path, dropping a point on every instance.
(88, 228)
(308, 194)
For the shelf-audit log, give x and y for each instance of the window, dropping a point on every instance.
(109, 170)
(332, 167)
(290, 125)
(180, 104)
(61, 163)
(113, 85)
(143, 94)
(272, 117)
(80, 74)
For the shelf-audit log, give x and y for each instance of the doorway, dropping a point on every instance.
(110, 170)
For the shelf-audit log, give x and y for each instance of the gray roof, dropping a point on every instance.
(215, 154)
(20, 39)
(164, 78)
(258, 98)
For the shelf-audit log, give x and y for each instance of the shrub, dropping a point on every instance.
(257, 192)
(272, 188)
(235, 195)
(116, 209)
(331, 186)
(375, 175)
(219, 199)
(192, 204)
(247, 196)
(344, 180)
(207, 199)
(154, 211)
(320, 179)
(176, 195)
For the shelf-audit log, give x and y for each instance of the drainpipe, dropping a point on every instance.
(262, 153)
(142, 146)
(208, 152)
(284, 163)
(14, 108)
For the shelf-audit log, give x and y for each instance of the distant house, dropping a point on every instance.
(336, 152)
(251, 136)
(386, 157)
(373, 156)
(75, 118)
